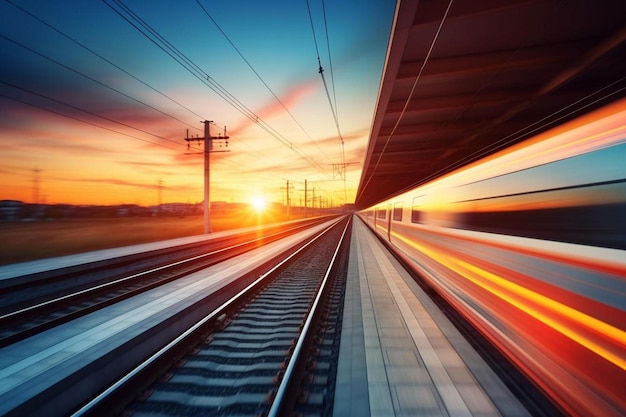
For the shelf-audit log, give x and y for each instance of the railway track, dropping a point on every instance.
(269, 350)
(36, 285)
(84, 298)
(254, 335)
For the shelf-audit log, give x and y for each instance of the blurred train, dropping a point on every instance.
(529, 245)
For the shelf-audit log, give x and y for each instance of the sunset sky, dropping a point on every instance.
(92, 111)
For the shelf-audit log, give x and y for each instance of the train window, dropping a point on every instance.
(381, 214)
(397, 212)
(416, 213)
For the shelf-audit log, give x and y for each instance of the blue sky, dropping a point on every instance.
(100, 136)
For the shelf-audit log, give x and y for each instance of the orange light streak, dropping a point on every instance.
(568, 140)
(563, 138)
(499, 287)
(581, 261)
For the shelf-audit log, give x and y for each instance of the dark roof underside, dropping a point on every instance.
(499, 72)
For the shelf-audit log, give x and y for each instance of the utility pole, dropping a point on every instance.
(305, 198)
(160, 189)
(288, 200)
(208, 148)
(36, 182)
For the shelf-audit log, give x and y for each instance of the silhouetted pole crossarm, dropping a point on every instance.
(208, 148)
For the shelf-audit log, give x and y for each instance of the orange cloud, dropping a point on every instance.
(290, 99)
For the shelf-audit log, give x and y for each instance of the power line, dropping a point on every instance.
(335, 109)
(238, 143)
(89, 78)
(321, 72)
(102, 58)
(330, 60)
(195, 70)
(84, 121)
(317, 50)
(259, 77)
(321, 69)
(178, 56)
(187, 63)
(26, 90)
(242, 167)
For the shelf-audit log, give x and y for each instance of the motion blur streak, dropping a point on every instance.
(597, 130)
(507, 291)
(529, 246)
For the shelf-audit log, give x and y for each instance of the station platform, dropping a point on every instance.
(399, 354)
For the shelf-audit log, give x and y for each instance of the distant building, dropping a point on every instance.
(177, 209)
(11, 210)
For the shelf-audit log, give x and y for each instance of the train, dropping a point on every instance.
(529, 246)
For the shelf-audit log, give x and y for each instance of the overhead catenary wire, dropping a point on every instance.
(330, 101)
(84, 121)
(330, 59)
(82, 74)
(260, 78)
(80, 109)
(70, 38)
(151, 34)
(336, 108)
(321, 69)
(243, 168)
(197, 71)
(64, 62)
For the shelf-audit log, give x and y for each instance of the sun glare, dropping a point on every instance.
(258, 203)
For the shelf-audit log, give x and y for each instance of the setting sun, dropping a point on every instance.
(258, 203)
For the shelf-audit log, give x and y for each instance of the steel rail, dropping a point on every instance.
(86, 291)
(113, 388)
(279, 399)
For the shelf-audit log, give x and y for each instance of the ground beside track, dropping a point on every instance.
(45, 239)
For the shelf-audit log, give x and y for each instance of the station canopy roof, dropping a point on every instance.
(464, 81)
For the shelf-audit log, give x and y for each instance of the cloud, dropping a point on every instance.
(150, 168)
(295, 95)
(134, 184)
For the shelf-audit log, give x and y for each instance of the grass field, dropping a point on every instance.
(25, 241)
